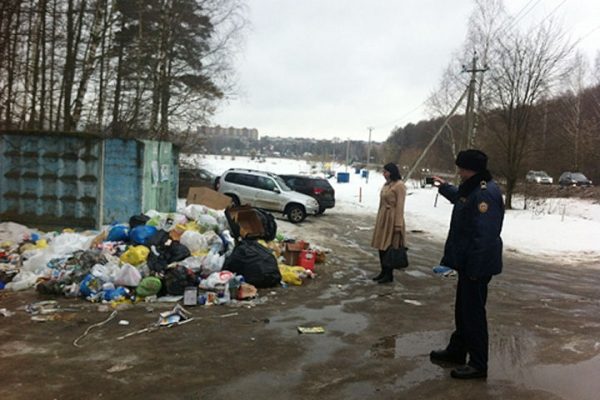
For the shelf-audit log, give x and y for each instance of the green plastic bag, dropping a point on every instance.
(148, 286)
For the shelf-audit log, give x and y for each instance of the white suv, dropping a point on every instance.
(267, 191)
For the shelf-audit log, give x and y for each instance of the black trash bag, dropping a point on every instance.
(269, 224)
(156, 262)
(177, 252)
(176, 279)
(252, 216)
(160, 257)
(49, 286)
(255, 263)
(136, 220)
(158, 240)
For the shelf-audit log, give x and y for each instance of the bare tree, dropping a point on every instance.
(526, 65)
(486, 24)
(575, 127)
(484, 28)
(89, 62)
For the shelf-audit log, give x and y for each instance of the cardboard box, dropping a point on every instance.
(244, 222)
(292, 251)
(208, 197)
(291, 258)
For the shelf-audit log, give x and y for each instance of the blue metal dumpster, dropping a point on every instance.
(364, 173)
(54, 180)
(343, 177)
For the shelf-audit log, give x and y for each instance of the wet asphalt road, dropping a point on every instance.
(544, 336)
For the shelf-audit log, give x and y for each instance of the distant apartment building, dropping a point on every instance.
(215, 131)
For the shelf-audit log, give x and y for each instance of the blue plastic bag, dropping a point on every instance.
(118, 233)
(90, 285)
(141, 233)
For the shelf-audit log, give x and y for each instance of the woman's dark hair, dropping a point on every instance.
(393, 170)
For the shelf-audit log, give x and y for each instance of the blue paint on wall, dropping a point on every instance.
(123, 168)
(54, 179)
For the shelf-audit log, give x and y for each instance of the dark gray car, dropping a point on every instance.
(574, 179)
(194, 177)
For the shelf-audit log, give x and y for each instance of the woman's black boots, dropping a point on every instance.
(387, 276)
(378, 276)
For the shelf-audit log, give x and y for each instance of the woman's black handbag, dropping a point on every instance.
(395, 258)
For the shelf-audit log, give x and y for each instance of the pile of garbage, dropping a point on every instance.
(190, 254)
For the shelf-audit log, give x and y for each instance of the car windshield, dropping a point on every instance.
(282, 184)
(322, 183)
(579, 176)
(206, 174)
(538, 173)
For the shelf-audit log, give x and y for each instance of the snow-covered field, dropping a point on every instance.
(564, 230)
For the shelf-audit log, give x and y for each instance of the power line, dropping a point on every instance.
(401, 117)
(517, 18)
(510, 23)
(500, 29)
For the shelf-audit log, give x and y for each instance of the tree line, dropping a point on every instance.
(143, 68)
(537, 105)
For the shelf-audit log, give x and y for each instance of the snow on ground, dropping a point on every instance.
(564, 230)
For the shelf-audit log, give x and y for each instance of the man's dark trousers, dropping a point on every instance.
(471, 334)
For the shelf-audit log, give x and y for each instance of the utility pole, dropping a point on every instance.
(470, 125)
(369, 152)
(347, 152)
(434, 138)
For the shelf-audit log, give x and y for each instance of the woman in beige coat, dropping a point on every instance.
(389, 226)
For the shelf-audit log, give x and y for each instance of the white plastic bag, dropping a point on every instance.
(208, 222)
(193, 211)
(216, 279)
(106, 273)
(67, 243)
(213, 262)
(128, 275)
(194, 241)
(193, 263)
(23, 280)
(212, 239)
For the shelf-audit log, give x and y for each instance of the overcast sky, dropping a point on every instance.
(332, 68)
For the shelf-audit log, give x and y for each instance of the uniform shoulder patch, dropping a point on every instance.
(483, 207)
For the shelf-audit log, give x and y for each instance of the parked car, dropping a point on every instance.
(194, 177)
(318, 188)
(267, 191)
(539, 177)
(574, 179)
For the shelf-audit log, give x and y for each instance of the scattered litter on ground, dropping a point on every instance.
(311, 329)
(118, 368)
(176, 315)
(6, 313)
(442, 270)
(99, 324)
(413, 302)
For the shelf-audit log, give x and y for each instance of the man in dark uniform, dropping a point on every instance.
(474, 249)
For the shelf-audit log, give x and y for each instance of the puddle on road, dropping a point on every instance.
(319, 347)
(333, 318)
(515, 362)
(512, 361)
(409, 345)
(412, 345)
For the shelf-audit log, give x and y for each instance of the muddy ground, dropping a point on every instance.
(544, 336)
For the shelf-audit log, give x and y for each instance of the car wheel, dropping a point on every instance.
(296, 213)
(321, 211)
(235, 199)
